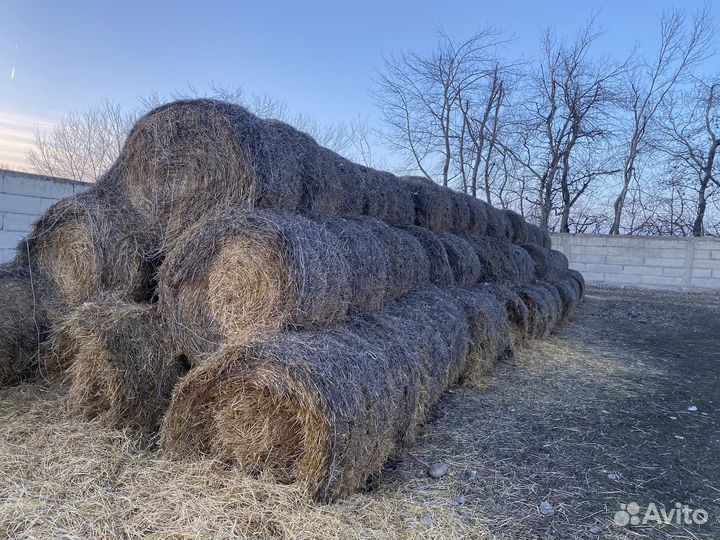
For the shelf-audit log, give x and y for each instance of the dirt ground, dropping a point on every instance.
(620, 407)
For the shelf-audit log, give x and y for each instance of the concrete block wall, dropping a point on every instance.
(23, 198)
(644, 261)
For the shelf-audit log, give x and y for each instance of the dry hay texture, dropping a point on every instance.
(23, 326)
(550, 265)
(327, 408)
(87, 244)
(122, 361)
(244, 275)
(187, 158)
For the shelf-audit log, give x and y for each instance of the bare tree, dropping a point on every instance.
(566, 114)
(690, 123)
(650, 83)
(421, 99)
(82, 146)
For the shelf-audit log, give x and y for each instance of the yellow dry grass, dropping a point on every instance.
(64, 477)
(70, 260)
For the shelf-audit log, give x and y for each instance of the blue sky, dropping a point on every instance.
(318, 57)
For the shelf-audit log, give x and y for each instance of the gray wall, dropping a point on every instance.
(644, 261)
(23, 197)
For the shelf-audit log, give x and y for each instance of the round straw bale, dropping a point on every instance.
(541, 308)
(441, 273)
(546, 239)
(396, 203)
(463, 259)
(499, 225)
(433, 205)
(367, 260)
(550, 265)
(90, 243)
(186, 158)
(23, 326)
(518, 314)
(479, 212)
(244, 274)
(497, 259)
(569, 292)
(461, 217)
(490, 334)
(523, 261)
(579, 279)
(554, 301)
(409, 263)
(520, 233)
(534, 235)
(326, 408)
(125, 365)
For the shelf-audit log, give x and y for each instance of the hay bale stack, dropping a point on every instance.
(498, 260)
(23, 326)
(579, 279)
(570, 294)
(550, 265)
(499, 225)
(189, 158)
(86, 244)
(463, 259)
(541, 308)
(326, 408)
(243, 275)
(519, 227)
(124, 365)
(433, 205)
(489, 329)
(479, 211)
(440, 271)
(518, 314)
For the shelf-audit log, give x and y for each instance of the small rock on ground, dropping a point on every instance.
(437, 470)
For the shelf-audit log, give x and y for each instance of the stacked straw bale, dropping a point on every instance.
(23, 327)
(123, 363)
(87, 244)
(328, 407)
(260, 299)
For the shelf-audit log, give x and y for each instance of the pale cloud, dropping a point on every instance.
(12, 73)
(16, 136)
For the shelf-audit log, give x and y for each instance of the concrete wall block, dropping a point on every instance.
(705, 283)
(10, 239)
(37, 186)
(676, 272)
(707, 254)
(592, 259)
(701, 273)
(588, 250)
(710, 264)
(593, 276)
(20, 204)
(662, 281)
(18, 222)
(6, 255)
(79, 188)
(668, 263)
(639, 270)
(625, 259)
(624, 279)
(604, 268)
